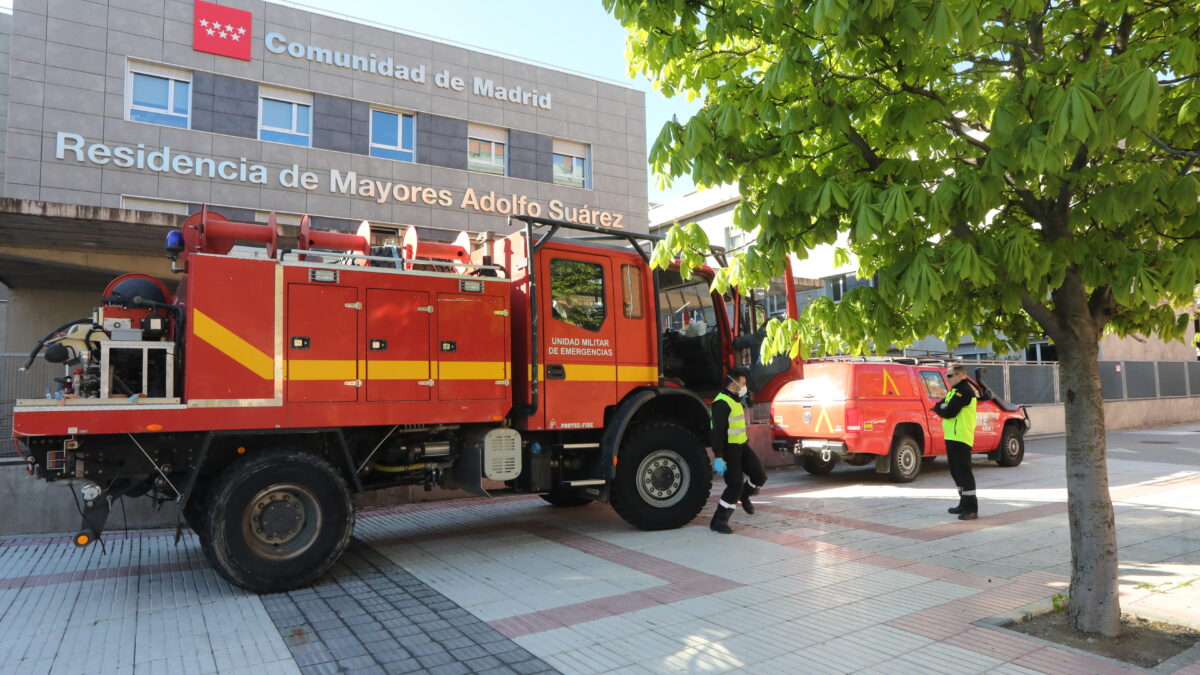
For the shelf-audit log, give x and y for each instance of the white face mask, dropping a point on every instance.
(742, 390)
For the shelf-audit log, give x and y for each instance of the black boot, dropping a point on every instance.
(748, 491)
(956, 509)
(720, 520)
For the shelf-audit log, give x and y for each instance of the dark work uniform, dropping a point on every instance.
(741, 462)
(958, 413)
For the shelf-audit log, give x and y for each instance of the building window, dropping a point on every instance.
(158, 95)
(571, 164)
(485, 149)
(393, 136)
(577, 293)
(284, 117)
(151, 204)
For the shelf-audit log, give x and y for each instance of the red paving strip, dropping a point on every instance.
(99, 574)
(1054, 661)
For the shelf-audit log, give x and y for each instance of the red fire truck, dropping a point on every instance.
(272, 385)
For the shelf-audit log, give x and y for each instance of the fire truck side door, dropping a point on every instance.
(397, 345)
(322, 343)
(578, 319)
(472, 347)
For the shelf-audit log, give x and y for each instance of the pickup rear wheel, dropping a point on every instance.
(663, 477)
(1012, 447)
(277, 520)
(905, 459)
(817, 467)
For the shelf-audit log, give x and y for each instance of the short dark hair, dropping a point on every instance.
(740, 371)
(958, 368)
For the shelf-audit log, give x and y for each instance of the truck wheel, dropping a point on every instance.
(277, 520)
(566, 498)
(814, 465)
(1012, 447)
(663, 477)
(906, 459)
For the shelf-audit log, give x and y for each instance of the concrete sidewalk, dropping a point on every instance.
(841, 573)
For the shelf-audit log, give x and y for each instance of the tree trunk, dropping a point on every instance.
(1094, 603)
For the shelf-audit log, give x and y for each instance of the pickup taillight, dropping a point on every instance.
(853, 417)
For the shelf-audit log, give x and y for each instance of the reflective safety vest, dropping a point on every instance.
(961, 427)
(737, 420)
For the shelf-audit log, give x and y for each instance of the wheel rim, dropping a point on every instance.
(906, 459)
(662, 478)
(1013, 449)
(281, 521)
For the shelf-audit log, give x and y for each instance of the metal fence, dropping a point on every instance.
(1016, 381)
(1037, 383)
(15, 384)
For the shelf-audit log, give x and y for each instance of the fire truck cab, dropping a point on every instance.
(274, 384)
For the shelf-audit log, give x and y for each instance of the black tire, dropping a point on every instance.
(814, 465)
(663, 477)
(1012, 447)
(566, 498)
(277, 520)
(905, 459)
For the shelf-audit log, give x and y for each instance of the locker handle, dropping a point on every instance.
(556, 372)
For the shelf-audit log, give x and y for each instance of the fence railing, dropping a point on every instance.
(1015, 381)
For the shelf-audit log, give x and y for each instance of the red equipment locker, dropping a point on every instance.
(322, 341)
(398, 345)
(473, 361)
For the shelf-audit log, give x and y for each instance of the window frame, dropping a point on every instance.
(296, 99)
(495, 136)
(633, 302)
(580, 152)
(602, 295)
(400, 137)
(173, 76)
(928, 376)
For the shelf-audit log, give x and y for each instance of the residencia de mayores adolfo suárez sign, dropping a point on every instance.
(276, 43)
(75, 148)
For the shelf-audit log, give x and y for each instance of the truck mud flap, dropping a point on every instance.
(883, 463)
(468, 469)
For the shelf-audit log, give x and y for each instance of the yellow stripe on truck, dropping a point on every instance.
(311, 369)
(228, 343)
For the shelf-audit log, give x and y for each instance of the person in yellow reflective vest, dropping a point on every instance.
(734, 459)
(957, 411)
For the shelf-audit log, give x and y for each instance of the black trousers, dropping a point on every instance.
(740, 463)
(959, 456)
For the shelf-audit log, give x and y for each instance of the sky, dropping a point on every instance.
(573, 34)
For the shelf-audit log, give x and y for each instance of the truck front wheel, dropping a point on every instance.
(663, 477)
(1012, 447)
(277, 520)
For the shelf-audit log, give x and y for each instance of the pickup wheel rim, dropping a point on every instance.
(906, 459)
(662, 478)
(1012, 447)
(281, 521)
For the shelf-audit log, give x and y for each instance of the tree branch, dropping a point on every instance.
(1179, 153)
(1177, 80)
(1042, 314)
(1102, 306)
(873, 160)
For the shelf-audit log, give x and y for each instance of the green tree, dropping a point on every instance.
(1005, 167)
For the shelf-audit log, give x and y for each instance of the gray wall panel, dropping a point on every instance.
(441, 141)
(224, 105)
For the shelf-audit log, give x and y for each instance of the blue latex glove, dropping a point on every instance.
(719, 466)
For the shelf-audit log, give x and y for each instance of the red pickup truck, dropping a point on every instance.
(863, 410)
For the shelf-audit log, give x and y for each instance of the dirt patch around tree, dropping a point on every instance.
(1142, 643)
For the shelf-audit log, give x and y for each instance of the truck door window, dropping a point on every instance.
(577, 293)
(681, 302)
(934, 384)
(631, 291)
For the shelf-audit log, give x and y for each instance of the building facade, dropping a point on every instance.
(116, 107)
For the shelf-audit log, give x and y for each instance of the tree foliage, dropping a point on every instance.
(981, 154)
(1002, 167)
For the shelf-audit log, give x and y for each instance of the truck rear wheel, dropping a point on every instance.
(277, 520)
(663, 477)
(1012, 447)
(905, 459)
